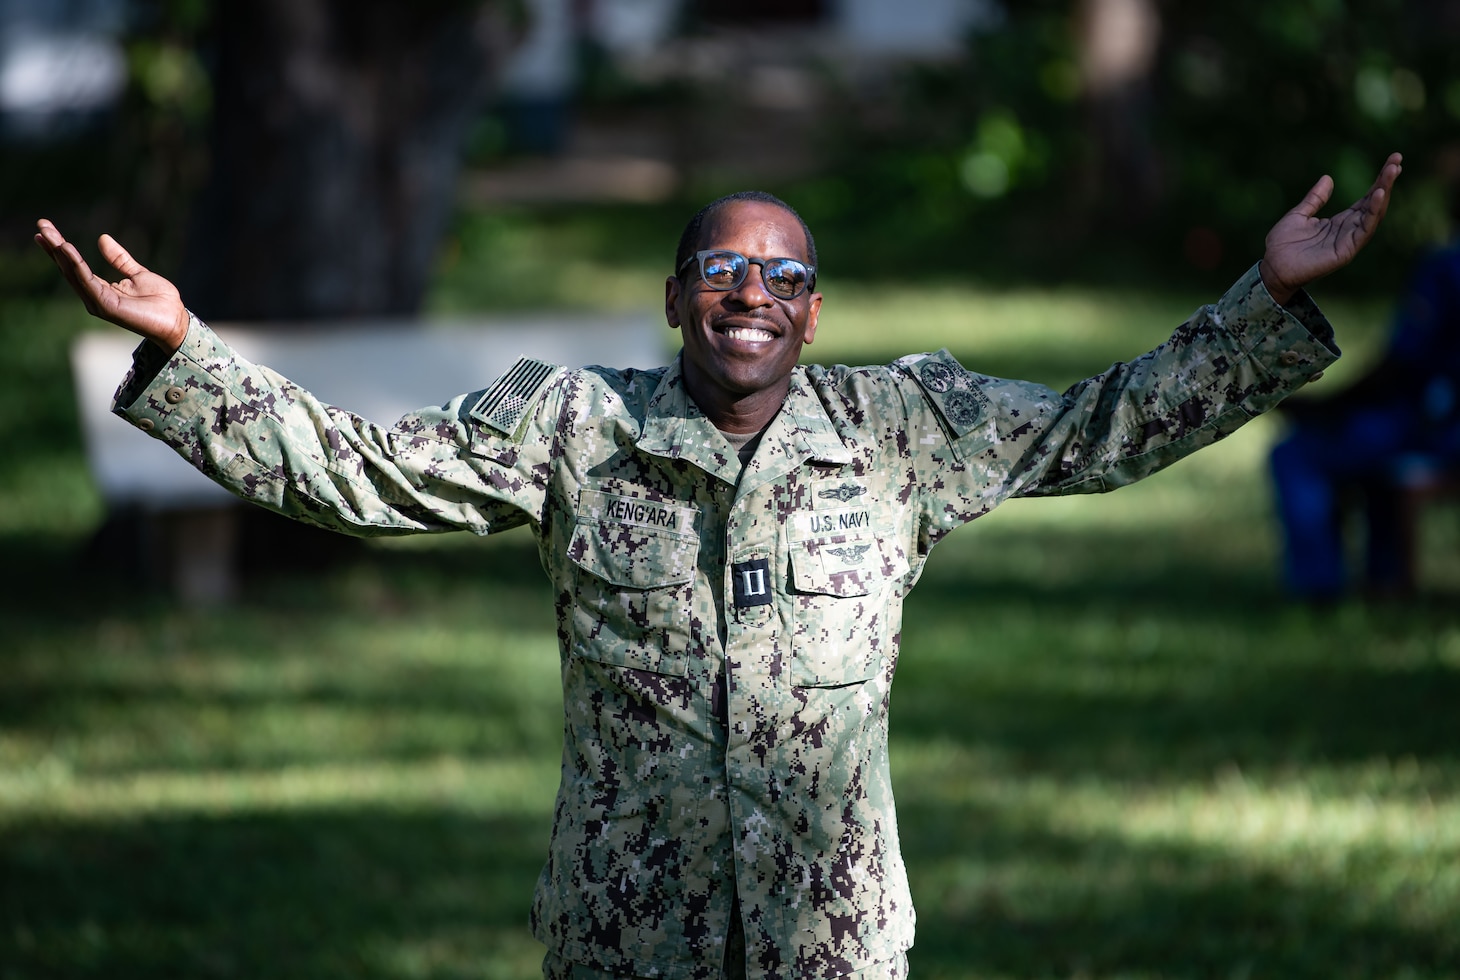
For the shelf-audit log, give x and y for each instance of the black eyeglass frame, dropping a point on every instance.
(700, 256)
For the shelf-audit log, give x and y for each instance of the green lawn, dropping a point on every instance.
(1117, 752)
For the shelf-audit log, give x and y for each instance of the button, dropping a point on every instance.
(146, 425)
(1314, 376)
(1287, 359)
(174, 395)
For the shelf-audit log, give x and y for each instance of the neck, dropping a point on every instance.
(740, 413)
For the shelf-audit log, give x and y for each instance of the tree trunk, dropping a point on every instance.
(1119, 180)
(337, 135)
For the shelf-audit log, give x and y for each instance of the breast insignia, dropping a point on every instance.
(851, 554)
(844, 493)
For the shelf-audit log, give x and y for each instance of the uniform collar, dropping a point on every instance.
(675, 427)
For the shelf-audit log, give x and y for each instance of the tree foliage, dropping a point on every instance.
(1245, 104)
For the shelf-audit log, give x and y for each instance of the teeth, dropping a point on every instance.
(749, 333)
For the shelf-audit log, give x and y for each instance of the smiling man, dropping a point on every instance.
(729, 540)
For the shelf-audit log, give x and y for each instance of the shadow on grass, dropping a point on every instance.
(1165, 666)
(381, 894)
(1000, 896)
(317, 894)
(1157, 671)
(395, 656)
(1266, 719)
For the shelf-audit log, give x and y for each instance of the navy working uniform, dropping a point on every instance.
(728, 633)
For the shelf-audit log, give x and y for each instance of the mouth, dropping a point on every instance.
(745, 333)
(754, 335)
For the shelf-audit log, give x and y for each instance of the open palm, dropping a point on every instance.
(144, 302)
(1303, 247)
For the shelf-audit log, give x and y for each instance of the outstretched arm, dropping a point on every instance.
(144, 302)
(1303, 247)
(270, 441)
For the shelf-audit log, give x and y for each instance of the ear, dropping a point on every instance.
(813, 311)
(671, 301)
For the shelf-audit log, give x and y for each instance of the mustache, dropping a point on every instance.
(765, 315)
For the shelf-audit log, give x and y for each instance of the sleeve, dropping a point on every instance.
(480, 462)
(981, 440)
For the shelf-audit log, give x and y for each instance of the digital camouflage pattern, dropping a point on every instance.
(728, 639)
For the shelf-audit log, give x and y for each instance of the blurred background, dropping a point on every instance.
(1079, 138)
(1118, 750)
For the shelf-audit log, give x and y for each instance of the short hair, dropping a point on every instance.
(689, 240)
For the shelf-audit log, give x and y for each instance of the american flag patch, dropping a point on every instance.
(508, 399)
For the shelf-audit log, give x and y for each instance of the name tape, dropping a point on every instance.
(612, 508)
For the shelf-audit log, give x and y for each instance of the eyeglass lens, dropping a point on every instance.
(785, 278)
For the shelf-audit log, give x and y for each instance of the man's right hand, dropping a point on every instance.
(143, 302)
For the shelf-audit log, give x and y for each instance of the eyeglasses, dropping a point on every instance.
(724, 270)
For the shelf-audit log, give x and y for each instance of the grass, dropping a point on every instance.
(1117, 752)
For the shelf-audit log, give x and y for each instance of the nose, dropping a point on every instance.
(751, 292)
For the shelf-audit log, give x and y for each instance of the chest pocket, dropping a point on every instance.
(632, 590)
(844, 595)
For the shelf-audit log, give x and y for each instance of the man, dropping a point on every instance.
(1396, 425)
(729, 540)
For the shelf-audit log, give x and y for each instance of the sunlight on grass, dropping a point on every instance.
(440, 951)
(49, 788)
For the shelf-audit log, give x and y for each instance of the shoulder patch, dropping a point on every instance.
(505, 403)
(955, 391)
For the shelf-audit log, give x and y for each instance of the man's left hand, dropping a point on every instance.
(1303, 247)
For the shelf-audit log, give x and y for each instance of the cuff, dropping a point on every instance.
(1294, 342)
(162, 391)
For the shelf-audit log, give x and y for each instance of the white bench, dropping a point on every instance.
(378, 369)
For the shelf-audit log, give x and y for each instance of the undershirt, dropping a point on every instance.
(744, 443)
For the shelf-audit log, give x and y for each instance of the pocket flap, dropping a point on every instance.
(841, 565)
(632, 556)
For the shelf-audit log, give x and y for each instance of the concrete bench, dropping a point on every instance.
(378, 369)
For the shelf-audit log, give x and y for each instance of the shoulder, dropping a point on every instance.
(861, 394)
(828, 377)
(613, 391)
(932, 382)
(965, 400)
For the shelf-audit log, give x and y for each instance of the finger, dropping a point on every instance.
(62, 252)
(1316, 197)
(120, 258)
(1393, 167)
(48, 233)
(93, 289)
(1388, 174)
(1378, 206)
(96, 293)
(72, 262)
(48, 237)
(73, 267)
(1375, 204)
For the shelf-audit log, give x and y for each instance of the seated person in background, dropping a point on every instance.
(1397, 425)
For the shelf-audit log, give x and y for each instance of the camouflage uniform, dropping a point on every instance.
(728, 638)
